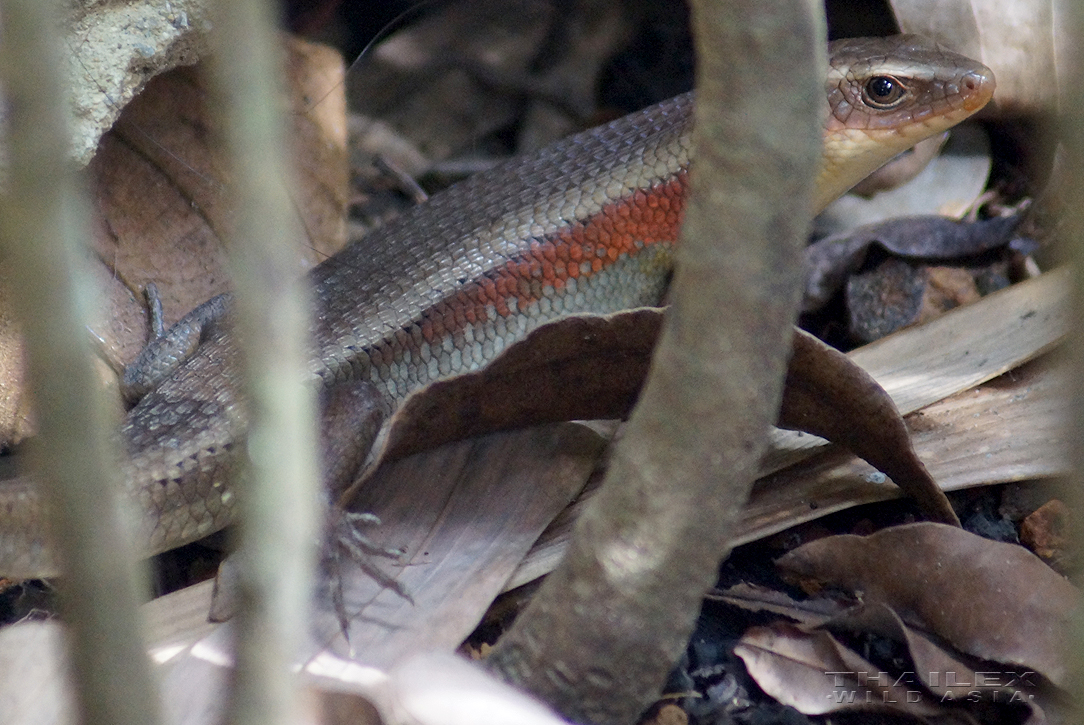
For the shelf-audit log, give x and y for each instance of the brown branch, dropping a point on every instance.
(600, 636)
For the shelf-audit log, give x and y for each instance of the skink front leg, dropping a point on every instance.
(167, 351)
(164, 351)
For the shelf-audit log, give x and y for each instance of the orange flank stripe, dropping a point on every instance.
(647, 216)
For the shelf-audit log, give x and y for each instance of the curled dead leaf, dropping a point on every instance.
(829, 395)
(576, 368)
(948, 676)
(829, 261)
(991, 600)
(587, 366)
(815, 674)
(162, 208)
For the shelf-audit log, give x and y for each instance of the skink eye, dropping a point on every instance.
(883, 92)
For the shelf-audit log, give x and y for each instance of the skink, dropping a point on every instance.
(585, 225)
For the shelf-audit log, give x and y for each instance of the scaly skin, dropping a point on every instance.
(585, 225)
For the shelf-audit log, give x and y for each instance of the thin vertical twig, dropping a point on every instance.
(43, 227)
(278, 495)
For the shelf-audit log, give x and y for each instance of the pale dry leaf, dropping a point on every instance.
(462, 517)
(34, 679)
(427, 688)
(442, 689)
(962, 349)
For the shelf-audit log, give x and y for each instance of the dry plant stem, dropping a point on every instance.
(278, 489)
(1072, 137)
(598, 639)
(44, 224)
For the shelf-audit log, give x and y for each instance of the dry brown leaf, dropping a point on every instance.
(828, 395)
(755, 598)
(991, 600)
(344, 708)
(830, 260)
(813, 673)
(1007, 429)
(947, 288)
(586, 367)
(161, 184)
(160, 199)
(1047, 532)
(317, 114)
(948, 676)
(579, 368)
(668, 714)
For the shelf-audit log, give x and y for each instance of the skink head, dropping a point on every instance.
(887, 94)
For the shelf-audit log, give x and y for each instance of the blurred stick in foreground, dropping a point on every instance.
(44, 226)
(278, 494)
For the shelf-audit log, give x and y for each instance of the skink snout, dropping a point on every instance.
(977, 87)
